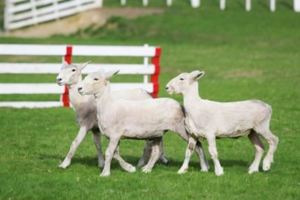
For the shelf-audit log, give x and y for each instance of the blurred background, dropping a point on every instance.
(249, 50)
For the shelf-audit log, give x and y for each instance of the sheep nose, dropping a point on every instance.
(79, 89)
(167, 87)
(59, 79)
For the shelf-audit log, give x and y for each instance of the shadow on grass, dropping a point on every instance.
(92, 161)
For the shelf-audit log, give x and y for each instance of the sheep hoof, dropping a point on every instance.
(266, 166)
(219, 172)
(204, 169)
(131, 169)
(253, 169)
(105, 174)
(146, 170)
(64, 165)
(182, 171)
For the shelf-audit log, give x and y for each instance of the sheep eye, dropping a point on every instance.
(73, 70)
(181, 79)
(95, 79)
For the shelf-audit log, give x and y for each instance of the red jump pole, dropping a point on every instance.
(155, 77)
(68, 58)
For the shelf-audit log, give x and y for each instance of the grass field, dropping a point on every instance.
(245, 56)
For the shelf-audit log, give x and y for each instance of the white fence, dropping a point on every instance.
(149, 67)
(21, 13)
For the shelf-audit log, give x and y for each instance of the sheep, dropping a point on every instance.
(144, 119)
(85, 108)
(211, 120)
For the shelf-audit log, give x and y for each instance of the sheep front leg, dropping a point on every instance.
(76, 142)
(97, 141)
(125, 165)
(109, 153)
(188, 153)
(212, 148)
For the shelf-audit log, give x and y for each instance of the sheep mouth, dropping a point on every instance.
(60, 83)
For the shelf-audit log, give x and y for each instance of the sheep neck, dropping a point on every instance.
(75, 97)
(191, 94)
(105, 97)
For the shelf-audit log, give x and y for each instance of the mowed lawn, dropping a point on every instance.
(254, 55)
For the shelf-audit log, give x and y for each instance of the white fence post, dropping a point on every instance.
(272, 5)
(6, 14)
(195, 3)
(33, 8)
(99, 3)
(297, 5)
(248, 5)
(222, 4)
(146, 64)
(21, 13)
(169, 2)
(145, 2)
(123, 2)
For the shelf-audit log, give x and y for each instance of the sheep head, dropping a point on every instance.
(70, 73)
(95, 83)
(181, 83)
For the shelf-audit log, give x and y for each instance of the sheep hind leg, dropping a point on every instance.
(146, 154)
(259, 150)
(272, 141)
(155, 153)
(97, 141)
(125, 165)
(162, 156)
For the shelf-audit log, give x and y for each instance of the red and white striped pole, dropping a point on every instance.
(155, 77)
(68, 58)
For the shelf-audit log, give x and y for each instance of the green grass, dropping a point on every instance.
(245, 56)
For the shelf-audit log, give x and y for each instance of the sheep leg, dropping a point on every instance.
(212, 148)
(76, 142)
(125, 165)
(198, 149)
(162, 156)
(272, 141)
(188, 153)
(109, 153)
(146, 154)
(200, 152)
(259, 150)
(155, 153)
(97, 141)
(147, 151)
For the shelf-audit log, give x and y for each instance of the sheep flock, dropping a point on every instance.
(134, 114)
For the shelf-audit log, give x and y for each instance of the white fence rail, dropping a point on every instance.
(145, 69)
(21, 13)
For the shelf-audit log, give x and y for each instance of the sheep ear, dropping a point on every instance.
(83, 65)
(196, 75)
(109, 75)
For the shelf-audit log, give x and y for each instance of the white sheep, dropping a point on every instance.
(85, 108)
(144, 119)
(210, 119)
